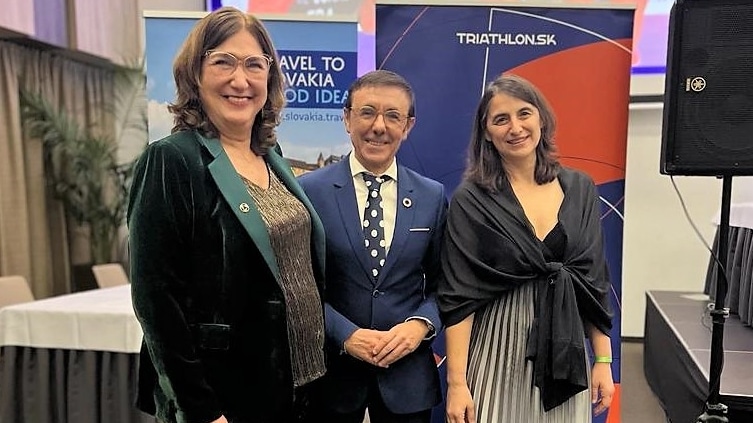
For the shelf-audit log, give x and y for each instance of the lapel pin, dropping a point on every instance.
(244, 208)
(407, 202)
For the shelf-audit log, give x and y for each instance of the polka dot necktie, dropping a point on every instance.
(373, 223)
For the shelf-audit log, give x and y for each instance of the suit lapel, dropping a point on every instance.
(403, 220)
(348, 208)
(234, 191)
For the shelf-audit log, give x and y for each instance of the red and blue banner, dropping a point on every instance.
(579, 57)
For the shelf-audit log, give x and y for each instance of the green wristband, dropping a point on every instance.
(602, 359)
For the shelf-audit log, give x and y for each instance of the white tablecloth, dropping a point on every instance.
(98, 320)
(740, 215)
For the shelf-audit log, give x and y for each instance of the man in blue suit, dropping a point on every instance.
(384, 223)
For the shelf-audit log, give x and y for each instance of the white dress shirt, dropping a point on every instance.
(388, 191)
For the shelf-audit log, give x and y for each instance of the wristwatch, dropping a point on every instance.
(431, 329)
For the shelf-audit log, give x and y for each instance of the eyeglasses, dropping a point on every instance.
(368, 115)
(224, 63)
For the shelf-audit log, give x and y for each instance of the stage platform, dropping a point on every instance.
(677, 347)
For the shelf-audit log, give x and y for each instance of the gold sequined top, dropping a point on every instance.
(289, 226)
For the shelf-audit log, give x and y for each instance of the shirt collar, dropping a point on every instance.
(356, 168)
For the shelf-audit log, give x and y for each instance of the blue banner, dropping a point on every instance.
(317, 79)
(318, 59)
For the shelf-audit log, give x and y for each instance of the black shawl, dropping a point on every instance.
(490, 248)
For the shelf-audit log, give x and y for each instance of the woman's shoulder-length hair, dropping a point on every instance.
(485, 166)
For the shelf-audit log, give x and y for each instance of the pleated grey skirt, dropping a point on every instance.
(500, 377)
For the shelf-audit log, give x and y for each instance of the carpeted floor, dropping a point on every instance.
(639, 405)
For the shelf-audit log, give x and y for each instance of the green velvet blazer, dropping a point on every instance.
(205, 286)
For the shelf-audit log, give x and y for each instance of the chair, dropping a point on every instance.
(14, 290)
(124, 255)
(110, 274)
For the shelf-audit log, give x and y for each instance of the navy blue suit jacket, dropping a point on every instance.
(406, 287)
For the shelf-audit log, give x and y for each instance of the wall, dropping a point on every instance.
(18, 16)
(661, 251)
(174, 5)
(99, 32)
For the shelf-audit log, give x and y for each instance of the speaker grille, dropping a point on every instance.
(712, 126)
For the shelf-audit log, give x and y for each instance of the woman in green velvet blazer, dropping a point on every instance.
(226, 250)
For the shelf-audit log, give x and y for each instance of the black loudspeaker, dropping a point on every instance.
(708, 98)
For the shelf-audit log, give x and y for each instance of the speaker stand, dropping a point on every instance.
(715, 411)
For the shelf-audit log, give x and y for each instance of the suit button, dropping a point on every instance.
(376, 293)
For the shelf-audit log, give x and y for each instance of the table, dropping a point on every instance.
(676, 357)
(71, 358)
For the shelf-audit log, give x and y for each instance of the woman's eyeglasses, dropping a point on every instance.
(224, 63)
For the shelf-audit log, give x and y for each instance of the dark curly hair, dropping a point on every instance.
(211, 31)
(485, 166)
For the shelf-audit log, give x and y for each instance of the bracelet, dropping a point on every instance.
(602, 359)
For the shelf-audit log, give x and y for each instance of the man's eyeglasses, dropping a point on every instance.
(368, 115)
(224, 63)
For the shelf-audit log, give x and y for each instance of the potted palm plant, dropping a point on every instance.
(82, 165)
